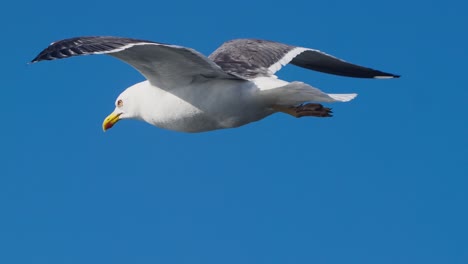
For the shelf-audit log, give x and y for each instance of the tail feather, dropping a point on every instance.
(296, 93)
(343, 97)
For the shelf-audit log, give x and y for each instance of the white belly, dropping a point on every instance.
(211, 105)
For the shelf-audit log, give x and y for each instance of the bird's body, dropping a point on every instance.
(186, 91)
(220, 104)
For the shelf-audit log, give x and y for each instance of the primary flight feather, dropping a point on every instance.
(236, 85)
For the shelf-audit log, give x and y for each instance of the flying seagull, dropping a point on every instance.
(186, 91)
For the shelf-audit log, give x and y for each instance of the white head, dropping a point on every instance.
(126, 106)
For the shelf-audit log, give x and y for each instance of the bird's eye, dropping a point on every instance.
(119, 103)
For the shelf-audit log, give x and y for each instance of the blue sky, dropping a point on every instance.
(383, 181)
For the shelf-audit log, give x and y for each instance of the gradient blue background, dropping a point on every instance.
(384, 181)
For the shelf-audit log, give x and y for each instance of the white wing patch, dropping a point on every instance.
(384, 77)
(287, 58)
(127, 47)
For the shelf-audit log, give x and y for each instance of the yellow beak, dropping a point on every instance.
(110, 121)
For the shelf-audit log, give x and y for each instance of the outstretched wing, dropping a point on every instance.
(166, 66)
(250, 58)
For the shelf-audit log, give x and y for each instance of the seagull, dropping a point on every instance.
(188, 92)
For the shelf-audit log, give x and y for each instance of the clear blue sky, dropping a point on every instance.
(384, 181)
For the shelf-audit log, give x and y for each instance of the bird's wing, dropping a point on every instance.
(166, 66)
(250, 58)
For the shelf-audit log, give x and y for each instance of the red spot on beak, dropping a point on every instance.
(108, 125)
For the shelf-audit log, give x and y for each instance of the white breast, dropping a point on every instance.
(209, 105)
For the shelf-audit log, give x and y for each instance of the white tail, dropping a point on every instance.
(298, 92)
(343, 97)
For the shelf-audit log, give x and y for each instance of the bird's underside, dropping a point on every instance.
(174, 71)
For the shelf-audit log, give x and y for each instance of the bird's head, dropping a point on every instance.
(125, 107)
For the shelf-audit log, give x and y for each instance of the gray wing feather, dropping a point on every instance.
(164, 65)
(250, 58)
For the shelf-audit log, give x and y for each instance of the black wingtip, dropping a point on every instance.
(36, 59)
(40, 57)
